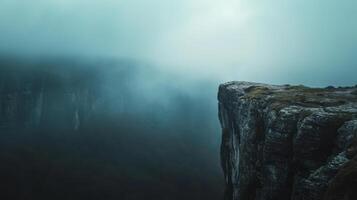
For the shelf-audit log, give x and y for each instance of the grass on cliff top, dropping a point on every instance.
(298, 95)
(253, 92)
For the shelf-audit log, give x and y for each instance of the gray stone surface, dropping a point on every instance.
(284, 142)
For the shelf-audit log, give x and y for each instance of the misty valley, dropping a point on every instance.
(178, 100)
(106, 129)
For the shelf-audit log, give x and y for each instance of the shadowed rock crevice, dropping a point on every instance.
(286, 142)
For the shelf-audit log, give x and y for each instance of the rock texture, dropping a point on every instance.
(288, 142)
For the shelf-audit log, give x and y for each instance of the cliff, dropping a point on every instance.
(288, 142)
(41, 97)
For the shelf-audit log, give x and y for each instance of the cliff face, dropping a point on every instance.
(43, 98)
(288, 142)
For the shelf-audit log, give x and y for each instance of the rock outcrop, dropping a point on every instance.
(288, 142)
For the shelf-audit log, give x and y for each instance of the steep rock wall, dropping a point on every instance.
(287, 142)
(45, 97)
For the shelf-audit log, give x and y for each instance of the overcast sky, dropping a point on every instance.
(303, 41)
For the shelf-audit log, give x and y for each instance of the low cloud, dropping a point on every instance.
(298, 42)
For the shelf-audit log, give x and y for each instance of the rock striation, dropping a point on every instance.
(288, 142)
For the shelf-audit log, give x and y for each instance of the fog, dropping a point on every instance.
(310, 42)
(106, 129)
(116, 99)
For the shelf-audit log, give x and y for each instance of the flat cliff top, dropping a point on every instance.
(341, 99)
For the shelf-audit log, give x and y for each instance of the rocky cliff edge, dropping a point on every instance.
(288, 142)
